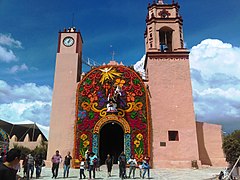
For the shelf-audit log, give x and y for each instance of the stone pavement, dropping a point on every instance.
(205, 173)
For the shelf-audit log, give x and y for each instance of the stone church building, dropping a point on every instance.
(112, 108)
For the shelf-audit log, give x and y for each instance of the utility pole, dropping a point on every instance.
(227, 178)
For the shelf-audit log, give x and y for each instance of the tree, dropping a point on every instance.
(41, 149)
(231, 146)
(24, 150)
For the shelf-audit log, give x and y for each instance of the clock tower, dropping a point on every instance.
(174, 136)
(67, 75)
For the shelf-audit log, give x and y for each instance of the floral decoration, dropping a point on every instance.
(84, 144)
(92, 99)
(139, 147)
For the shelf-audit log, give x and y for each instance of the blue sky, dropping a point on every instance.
(28, 44)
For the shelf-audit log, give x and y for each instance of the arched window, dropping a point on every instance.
(165, 39)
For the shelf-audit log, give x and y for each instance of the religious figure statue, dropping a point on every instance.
(111, 105)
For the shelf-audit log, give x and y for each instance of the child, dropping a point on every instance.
(82, 167)
(140, 169)
(145, 167)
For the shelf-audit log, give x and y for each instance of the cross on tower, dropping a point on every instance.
(160, 2)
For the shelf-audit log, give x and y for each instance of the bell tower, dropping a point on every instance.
(174, 136)
(67, 73)
(164, 28)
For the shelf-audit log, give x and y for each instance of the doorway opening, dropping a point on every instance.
(111, 141)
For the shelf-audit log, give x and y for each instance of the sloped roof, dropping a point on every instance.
(21, 130)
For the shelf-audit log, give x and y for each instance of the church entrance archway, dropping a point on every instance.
(111, 141)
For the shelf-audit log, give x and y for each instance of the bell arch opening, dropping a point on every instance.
(111, 141)
(165, 39)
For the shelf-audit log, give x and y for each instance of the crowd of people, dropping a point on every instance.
(91, 164)
(10, 165)
(132, 163)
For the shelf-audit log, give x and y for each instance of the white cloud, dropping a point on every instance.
(139, 66)
(7, 40)
(25, 102)
(7, 55)
(216, 82)
(15, 69)
(28, 92)
(213, 56)
(6, 45)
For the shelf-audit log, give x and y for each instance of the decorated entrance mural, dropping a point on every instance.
(112, 94)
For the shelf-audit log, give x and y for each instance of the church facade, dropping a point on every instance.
(113, 108)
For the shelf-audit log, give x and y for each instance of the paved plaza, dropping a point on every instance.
(205, 173)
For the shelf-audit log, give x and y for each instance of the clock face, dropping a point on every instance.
(68, 41)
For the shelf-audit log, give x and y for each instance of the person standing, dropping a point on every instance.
(133, 163)
(146, 168)
(38, 165)
(122, 165)
(98, 163)
(140, 169)
(109, 164)
(24, 165)
(7, 171)
(92, 161)
(42, 163)
(147, 159)
(221, 175)
(66, 165)
(87, 158)
(56, 160)
(30, 166)
(82, 168)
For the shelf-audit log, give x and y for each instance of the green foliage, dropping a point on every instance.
(88, 81)
(91, 115)
(24, 150)
(136, 81)
(133, 114)
(231, 146)
(41, 149)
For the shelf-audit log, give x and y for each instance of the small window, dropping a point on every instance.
(173, 136)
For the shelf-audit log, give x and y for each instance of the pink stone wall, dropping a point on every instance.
(67, 75)
(210, 144)
(172, 110)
